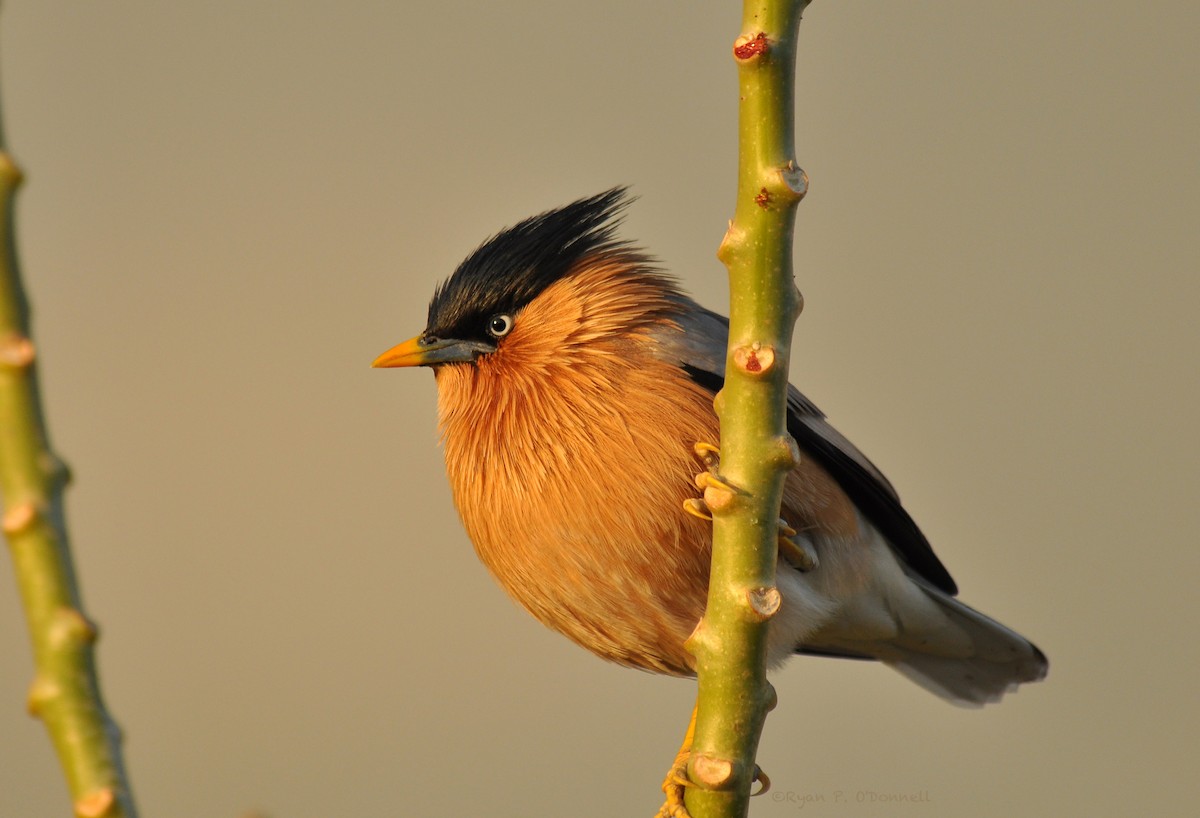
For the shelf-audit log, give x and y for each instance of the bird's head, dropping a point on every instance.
(542, 288)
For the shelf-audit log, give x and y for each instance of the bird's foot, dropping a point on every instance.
(718, 492)
(673, 786)
(677, 781)
(711, 456)
(677, 777)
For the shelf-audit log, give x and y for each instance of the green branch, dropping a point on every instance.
(756, 452)
(65, 692)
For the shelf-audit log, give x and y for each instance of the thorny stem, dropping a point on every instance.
(65, 692)
(730, 644)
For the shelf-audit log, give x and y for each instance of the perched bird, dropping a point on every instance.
(573, 379)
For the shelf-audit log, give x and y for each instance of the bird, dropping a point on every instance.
(574, 377)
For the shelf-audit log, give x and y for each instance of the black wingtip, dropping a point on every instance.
(880, 506)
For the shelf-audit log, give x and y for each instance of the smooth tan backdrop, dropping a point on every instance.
(233, 207)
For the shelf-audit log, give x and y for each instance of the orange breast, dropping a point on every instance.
(571, 488)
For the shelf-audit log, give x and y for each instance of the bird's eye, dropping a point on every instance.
(500, 325)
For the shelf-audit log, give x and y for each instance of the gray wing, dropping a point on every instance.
(700, 350)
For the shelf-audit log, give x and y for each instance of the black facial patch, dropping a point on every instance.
(513, 267)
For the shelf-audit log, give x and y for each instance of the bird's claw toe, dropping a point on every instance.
(697, 508)
(799, 552)
(709, 453)
(763, 779)
(711, 480)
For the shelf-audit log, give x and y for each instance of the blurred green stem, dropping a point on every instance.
(65, 692)
(756, 453)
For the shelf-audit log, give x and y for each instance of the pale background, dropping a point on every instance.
(232, 207)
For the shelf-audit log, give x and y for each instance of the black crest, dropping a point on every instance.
(513, 267)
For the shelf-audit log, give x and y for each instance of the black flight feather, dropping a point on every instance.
(874, 500)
